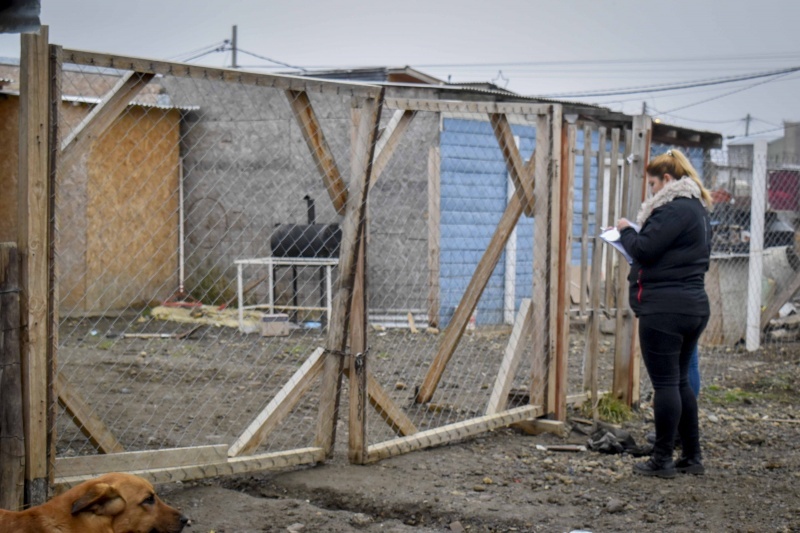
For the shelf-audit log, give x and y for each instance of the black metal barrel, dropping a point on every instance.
(306, 240)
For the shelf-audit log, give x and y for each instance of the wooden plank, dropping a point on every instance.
(777, 302)
(452, 432)
(103, 115)
(318, 146)
(387, 409)
(94, 465)
(237, 465)
(538, 426)
(613, 186)
(566, 184)
(520, 334)
(434, 236)
(357, 420)
(540, 366)
(56, 64)
(592, 336)
(388, 142)
(280, 406)
(185, 70)
(33, 222)
(633, 194)
(338, 326)
(585, 198)
(621, 323)
(460, 106)
(83, 415)
(469, 300)
(12, 432)
(523, 185)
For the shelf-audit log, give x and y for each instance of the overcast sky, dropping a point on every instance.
(534, 47)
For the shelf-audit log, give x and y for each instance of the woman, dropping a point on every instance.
(667, 292)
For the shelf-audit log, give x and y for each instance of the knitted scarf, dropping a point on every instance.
(682, 188)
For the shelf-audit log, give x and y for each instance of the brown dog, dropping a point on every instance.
(112, 503)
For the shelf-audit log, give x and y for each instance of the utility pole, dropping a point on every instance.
(747, 125)
(644, 108)
(233, 49)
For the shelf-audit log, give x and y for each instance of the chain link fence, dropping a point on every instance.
(197, 247)
(208, 226)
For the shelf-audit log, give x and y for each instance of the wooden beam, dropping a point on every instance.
(775, 305)
(103, 115)
(12, 431)
(613, 193)
(56, 74)
(318, 146)
(33, 222)
(523, 185)
(94, 465)
(387, 409)
(237, 465)
(538, 426)
(622, 322)
(434, 235)
(452, 432)
(358, 357)
(517, 342)
(280, 406)
(541, 387)
(460, 106)
(83, 415)
(590, 351)
(388, 142)
(564, 170)
(338, 326)
(185, 70)
(455, 329)
(585, 199)
(633, 194)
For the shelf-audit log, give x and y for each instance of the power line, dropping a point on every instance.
(776, 77)
(649, 60)
(210, 47)
(272, 60)
(673, 87)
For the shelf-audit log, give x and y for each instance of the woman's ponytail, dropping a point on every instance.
(674, 163)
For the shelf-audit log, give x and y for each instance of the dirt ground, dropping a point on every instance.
(508, 481)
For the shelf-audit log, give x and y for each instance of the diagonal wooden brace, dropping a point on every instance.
(521, 176)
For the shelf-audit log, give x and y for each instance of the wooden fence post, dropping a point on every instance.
(626, 361)
(33, 242)
(12, 433)
(355, 211)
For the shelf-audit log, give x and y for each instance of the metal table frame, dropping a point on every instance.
(270, 263)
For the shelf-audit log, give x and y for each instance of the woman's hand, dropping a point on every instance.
(623, 223)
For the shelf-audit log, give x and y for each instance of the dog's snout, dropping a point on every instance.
(185, 521)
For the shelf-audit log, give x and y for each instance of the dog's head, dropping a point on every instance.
(131, 503)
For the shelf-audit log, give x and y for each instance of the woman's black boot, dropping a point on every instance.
(663, 467)
(690, 465)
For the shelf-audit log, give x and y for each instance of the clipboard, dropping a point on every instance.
(612, 235)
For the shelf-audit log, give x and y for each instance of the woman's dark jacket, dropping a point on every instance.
(670, 259)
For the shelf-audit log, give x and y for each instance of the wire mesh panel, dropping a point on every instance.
(452, 260)
(601, 176)
(198, 240)
(753, 276)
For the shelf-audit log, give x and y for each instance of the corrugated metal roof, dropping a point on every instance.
(94, 100)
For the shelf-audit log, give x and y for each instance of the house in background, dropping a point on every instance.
(242, 162)
(118, 200)
(475, 184)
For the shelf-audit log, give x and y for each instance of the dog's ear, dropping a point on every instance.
(100, 499)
